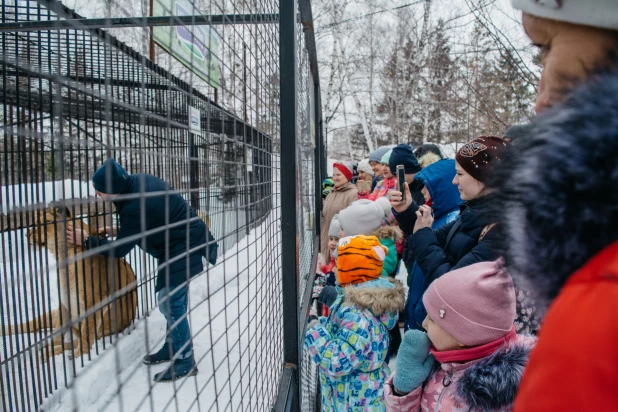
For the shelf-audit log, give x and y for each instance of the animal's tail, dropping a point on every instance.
(39, 323)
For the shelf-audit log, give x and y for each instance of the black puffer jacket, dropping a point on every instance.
(440, 251)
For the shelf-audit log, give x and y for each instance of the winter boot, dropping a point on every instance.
(163, 355)
(179, 369)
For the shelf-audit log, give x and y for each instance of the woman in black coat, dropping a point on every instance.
(474, 236)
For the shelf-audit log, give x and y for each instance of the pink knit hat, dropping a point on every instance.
(475, 304)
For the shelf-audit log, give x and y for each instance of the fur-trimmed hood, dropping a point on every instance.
(380, 296)
(487, 384)
(558, 188)
(492, 383)
(388, 232)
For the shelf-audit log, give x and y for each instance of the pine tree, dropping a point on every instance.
(440, 85)
(395, 109)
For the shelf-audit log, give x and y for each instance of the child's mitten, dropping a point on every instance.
(414, 362)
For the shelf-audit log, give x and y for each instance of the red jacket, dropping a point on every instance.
(574, 366)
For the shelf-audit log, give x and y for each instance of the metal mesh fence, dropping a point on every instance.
(197, 129)
(305, 158)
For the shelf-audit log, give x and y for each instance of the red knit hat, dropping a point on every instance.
(478, 156)
(475, 304)
(347, 171)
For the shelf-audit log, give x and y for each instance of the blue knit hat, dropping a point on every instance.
(110, 178)
(376, 155)
(403, 155)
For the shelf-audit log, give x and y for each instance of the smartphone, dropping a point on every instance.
(363, 186)
(401, 179)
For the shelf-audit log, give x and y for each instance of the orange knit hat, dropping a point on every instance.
(359, 259)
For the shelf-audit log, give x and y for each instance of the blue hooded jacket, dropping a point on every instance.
(438, 179)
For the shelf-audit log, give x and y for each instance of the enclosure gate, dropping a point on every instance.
(221, 100)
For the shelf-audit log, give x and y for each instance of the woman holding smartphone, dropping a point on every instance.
(473, 237)
(364, 184)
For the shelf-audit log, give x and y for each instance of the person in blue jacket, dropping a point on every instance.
(443, 197)
(165, 226)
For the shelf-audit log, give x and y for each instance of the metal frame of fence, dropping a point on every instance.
(73, 95)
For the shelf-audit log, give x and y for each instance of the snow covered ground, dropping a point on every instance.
(236, 327)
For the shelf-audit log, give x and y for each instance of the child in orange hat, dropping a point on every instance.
(351, 344)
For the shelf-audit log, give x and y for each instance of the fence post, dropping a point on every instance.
(319, 160)
(193, 173)
(289, 252)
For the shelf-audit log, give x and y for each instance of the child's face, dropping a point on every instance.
(332, 243)
(386, 171)
(441, 339)
(426, 194)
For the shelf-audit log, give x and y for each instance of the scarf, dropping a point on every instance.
(477, 352)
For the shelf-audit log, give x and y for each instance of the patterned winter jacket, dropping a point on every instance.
(383, 188)
(350, 346)
(487, 384)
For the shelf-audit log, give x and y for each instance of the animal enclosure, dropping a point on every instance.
(79, 89)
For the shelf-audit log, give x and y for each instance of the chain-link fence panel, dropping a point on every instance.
(105, 269)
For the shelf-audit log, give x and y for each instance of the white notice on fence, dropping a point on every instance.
(194, 120)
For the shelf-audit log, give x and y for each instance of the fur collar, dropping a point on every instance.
(558, 188)
(377, 300)
(388, 232)
(492, 383)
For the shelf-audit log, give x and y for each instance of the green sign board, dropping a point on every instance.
(197, 47)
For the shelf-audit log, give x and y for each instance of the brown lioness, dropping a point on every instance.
(83, 284)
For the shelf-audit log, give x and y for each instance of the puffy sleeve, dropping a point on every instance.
(407, 219)
(128, 236)
(340, 353)
(394, 403)
(433, 260)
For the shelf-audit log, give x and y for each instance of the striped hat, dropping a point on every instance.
(359, 259)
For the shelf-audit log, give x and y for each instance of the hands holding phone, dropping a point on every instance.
(363, 187)
(397, 199)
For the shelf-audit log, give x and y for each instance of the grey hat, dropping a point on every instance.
(376, 155)
(333, 229)
(595, 13)
(362, 217)
(386, 206)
